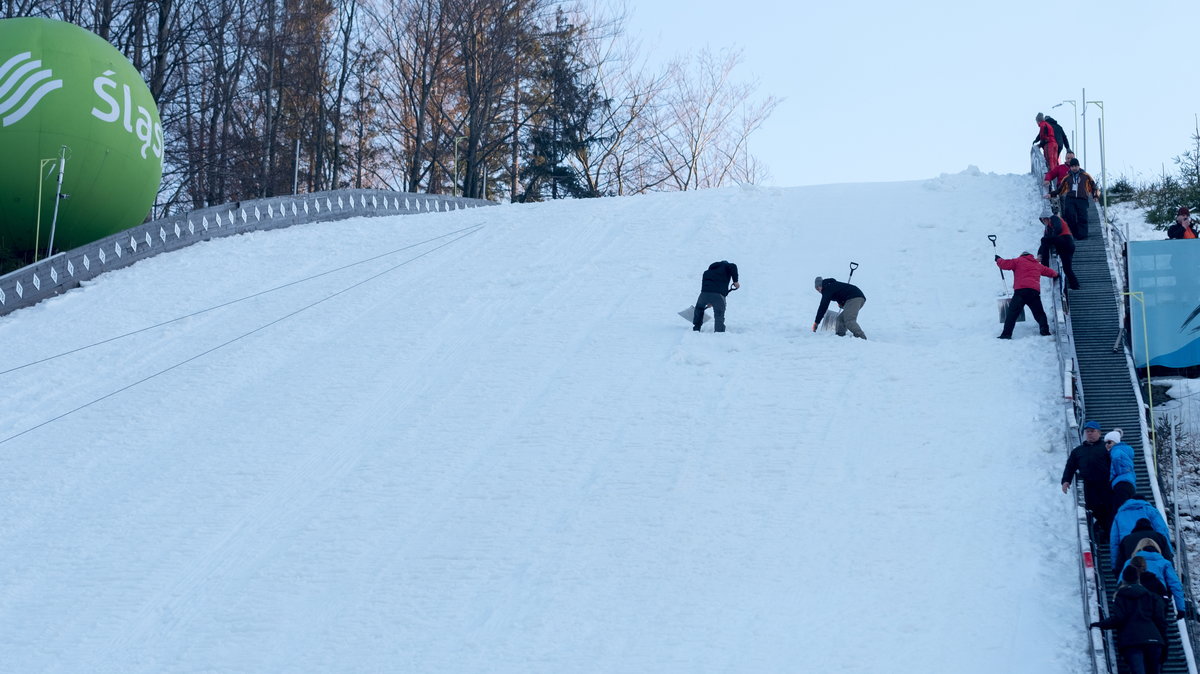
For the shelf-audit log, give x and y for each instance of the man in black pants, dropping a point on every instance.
(1027, 286)
(1090, 459)
(714, 286)
(1076, 188)
(1057, 237)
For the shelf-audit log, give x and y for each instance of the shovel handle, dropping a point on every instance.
(992, 238)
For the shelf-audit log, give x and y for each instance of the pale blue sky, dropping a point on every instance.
(884, 91)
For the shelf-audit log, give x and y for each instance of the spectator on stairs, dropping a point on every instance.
(1120, 472)
(1076, 189)
(1053, 180)
(1057, 237)
(1123, 524)
(1091, 461)
(1149, 580)
(1046, 140)
(1060, 135)
(1140, 620)
(1162, 569)
(1144, 531)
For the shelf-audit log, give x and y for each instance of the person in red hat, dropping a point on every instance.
(1183, 227)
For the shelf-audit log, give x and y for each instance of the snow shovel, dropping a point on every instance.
(690, 313)
(1005, 296)
(829, 321)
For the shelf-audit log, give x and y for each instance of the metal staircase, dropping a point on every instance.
(1109, 396)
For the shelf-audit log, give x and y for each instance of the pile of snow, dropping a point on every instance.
(511, 455)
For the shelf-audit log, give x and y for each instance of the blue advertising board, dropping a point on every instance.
(1167, 274)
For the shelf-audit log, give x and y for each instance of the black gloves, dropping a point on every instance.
(1093, 625)
(997, 257)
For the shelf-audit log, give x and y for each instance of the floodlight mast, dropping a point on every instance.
(58, 196)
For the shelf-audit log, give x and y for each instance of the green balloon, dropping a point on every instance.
(61, 85)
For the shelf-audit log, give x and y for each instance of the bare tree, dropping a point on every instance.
(419, 95)
(706, 120)
(488, 36)
(414, 96)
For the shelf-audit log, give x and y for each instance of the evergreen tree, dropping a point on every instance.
(562, 129)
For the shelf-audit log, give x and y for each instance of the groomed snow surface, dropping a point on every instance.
(509, 454)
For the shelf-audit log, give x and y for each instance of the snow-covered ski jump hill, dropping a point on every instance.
(484, 441)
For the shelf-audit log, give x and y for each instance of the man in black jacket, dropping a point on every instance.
(714, 286)
(848, 297)
(1092, 461)
(1060, 135)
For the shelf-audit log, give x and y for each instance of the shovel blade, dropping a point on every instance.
(690, 313)
(829, 322)
(1002, 304)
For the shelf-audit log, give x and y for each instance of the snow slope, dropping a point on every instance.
(508, 454)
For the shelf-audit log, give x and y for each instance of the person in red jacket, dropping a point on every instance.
(1045, 140)
(1027, 287)
(1054, 178)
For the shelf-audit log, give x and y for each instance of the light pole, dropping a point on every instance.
(37, 235)
(58, 196)
(1083, 129)
(456, 139)
(1074, 118)
(1103, 172)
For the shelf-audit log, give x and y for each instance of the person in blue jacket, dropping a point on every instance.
(1120, 471)
(1163, 570)
(1125, 521)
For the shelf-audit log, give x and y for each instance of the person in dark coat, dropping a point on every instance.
(1057, 237)
(1060, 134)
(1143, 530)
(1182, 228)
(1027, 291)
(1091, 461)
(1140, 620)
(714, 286)
(848, 297)
(1148, 552)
